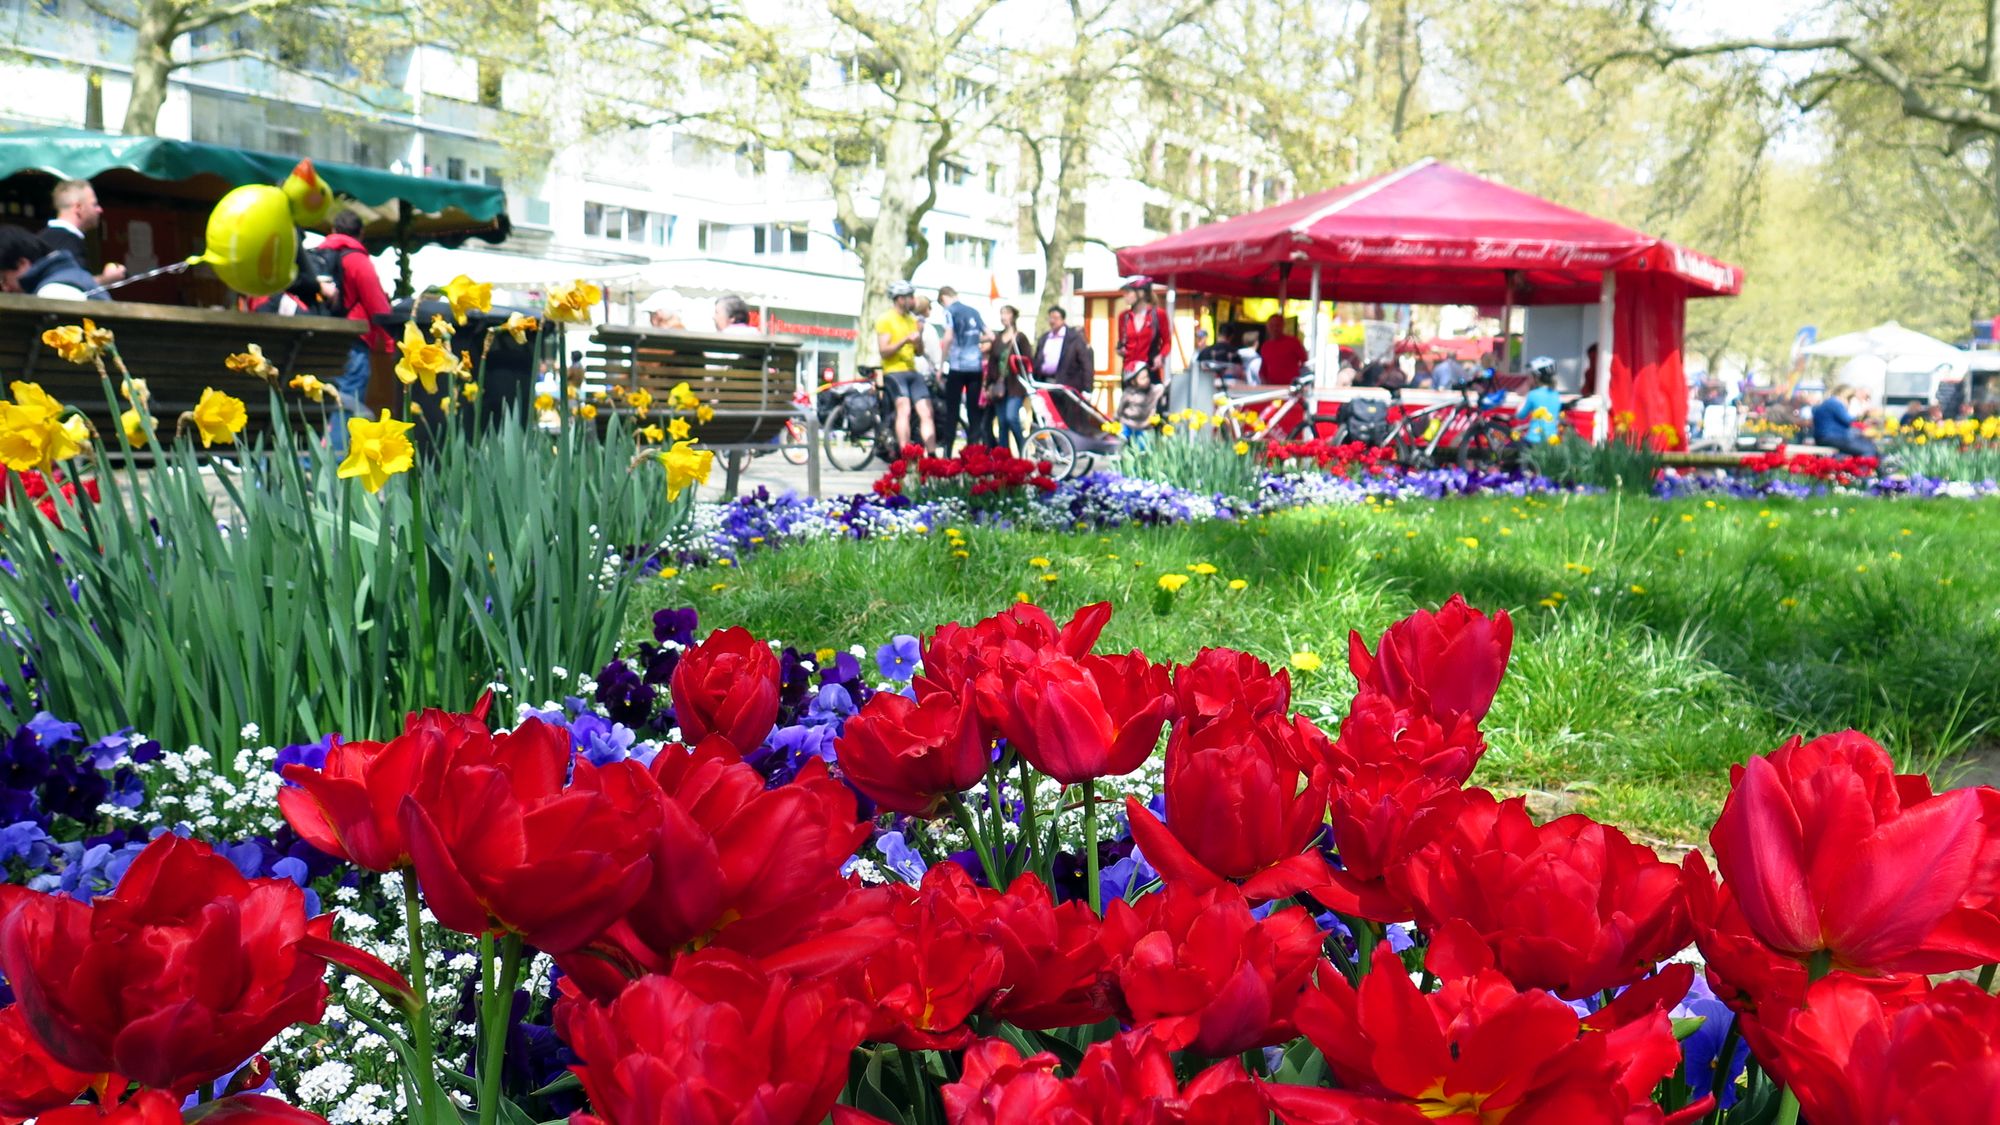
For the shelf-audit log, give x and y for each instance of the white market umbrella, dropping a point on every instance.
(1888, 340)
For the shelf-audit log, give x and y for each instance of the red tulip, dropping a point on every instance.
(148, 1107)
(726, 685)
(1396, 775)
(1206, 974)
(987, 657)
(737, 865)
(350, 807)
(938, 969)
(1828, 849)
(1475, 1050)
(30, 1081)
(1128, 1080)
(174, 978)
(1571, 906)
(1220, 678)
(1246, 798)
(1076, 719)
(504, 844)
(908, 757)
(1854, 1057)
(1448, 662)
(1053, 966)
(719, 1041)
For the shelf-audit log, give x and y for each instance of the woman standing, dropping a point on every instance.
(1003, 386)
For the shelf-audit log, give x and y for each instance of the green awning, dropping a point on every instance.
(442, 210)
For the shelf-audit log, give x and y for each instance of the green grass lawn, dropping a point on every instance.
(1656, 643)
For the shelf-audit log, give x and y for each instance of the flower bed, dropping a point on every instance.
(745, 876)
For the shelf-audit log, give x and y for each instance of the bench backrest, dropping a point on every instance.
(749, 381)
(177, 352)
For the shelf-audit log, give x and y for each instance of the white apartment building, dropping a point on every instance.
(665, 219)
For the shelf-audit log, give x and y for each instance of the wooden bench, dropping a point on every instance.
(177, 352)
(750, 382)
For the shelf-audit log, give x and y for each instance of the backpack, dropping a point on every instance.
(1366, 419)
(328, 263)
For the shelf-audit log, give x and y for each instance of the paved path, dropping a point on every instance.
(780, 476)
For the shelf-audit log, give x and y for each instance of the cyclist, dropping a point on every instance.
(898, 336)
(1542, 407)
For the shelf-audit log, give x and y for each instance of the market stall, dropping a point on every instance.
(1433, 234)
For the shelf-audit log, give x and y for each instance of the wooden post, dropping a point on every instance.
(1607, 302)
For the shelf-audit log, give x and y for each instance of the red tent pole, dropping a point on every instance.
(1607, 303)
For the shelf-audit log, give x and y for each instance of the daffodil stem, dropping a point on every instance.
(420, 560)
(420, 1014)
(496, 1006)
(1090, 848)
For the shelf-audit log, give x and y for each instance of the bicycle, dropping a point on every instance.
(1473, 437)
(1273, 413)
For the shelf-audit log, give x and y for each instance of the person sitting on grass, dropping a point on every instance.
(1833, 423)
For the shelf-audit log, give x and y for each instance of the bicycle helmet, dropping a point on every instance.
(1541, 365)
(901, 289)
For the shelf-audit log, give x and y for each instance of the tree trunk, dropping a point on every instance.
(885, 254)
(152, 62)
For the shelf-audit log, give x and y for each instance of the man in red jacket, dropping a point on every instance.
(358, 296)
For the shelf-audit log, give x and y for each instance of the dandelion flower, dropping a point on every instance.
(1237, 584)
(1173, 582)
(1306, 661)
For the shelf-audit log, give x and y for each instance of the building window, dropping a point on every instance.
(1156, 217)
(454, 168)
(705, 237)
(780, 238)
(1027, 282)
(663, 230)
(968, 250)
(993, 178)
(1076, 281)
(973, 94)
(493, 178)
(954, 174)
(593, 219)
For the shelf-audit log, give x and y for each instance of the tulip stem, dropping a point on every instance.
(998, 843)
(970, 825)
(496, 1006)
(1090, 848)
(420, 1015)
(1788, 1108)
(1028, 818)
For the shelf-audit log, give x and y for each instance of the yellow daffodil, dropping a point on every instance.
(704, 413)
(135, 428)
(312, 387)
(519, 326)
(679, 428)
(219, 416)
(251, 361)
(587, 412)
(1306, 661)
(1241, 448)
(30, 439)
(681, 398)
(640, 401)
(377, 450)
(72, 342)
(653, 434)
(1237, 584)
(1173, 582)
(470, 391)
(572, 303)
(545, 402)
(38, 402)
(466, 295)
(1203, 568)
(686, 466)
(440, 328)
(423, 360)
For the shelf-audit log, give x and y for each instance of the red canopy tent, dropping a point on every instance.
(1432, 234)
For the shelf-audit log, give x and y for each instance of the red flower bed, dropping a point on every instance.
(1324, 453)
(978, 470)
(1832, 470)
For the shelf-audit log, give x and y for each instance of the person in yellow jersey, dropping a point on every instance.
(898, 335)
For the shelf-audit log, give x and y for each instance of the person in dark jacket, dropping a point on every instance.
(1062, 357)
(27, 266)
(1833, 424)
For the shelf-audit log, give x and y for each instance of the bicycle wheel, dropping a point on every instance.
(792, 443)
(1055, 446)
(846, 449)
(1485, 446)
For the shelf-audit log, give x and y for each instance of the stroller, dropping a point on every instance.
(1062, 416)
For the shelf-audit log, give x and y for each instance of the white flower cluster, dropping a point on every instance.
(184, 787)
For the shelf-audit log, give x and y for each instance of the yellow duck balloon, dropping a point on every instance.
(313, 202)
(252, 245)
